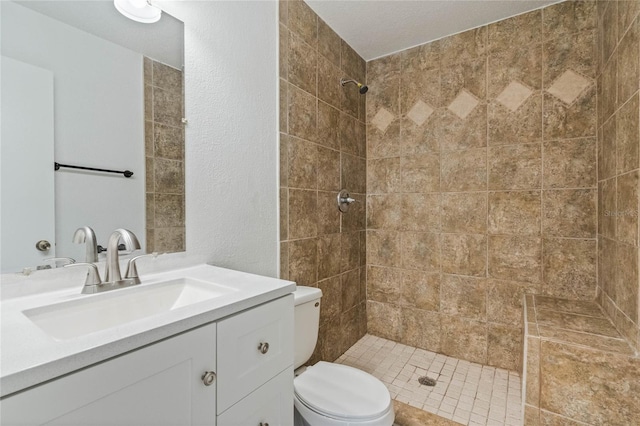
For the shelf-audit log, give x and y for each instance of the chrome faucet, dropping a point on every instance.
(86, 235)
(112, 272)
(112, 276)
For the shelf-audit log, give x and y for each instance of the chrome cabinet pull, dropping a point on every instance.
(263, 348)
(208, 378)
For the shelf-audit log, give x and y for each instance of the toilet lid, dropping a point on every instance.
(342, 392)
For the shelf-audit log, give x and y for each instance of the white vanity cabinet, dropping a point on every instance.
(156, 385)
(163, 384)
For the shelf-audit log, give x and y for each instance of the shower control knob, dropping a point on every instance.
(43, 245)
(208, 378)
(263, 347)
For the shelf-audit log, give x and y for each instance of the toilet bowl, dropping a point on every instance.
(328, 394)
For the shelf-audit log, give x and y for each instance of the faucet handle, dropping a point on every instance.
(93, 276)
(132, 270)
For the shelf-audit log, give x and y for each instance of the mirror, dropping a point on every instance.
(84, 86)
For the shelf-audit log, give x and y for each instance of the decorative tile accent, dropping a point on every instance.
(420, 112)
(463, 104)
(514, 95)
(569, 86)
(382, 119)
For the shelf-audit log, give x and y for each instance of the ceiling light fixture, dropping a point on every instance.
(138, 10)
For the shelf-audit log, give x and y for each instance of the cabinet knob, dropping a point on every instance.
(263, 347)
(208, 378)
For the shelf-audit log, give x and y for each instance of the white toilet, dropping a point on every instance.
(328, 394)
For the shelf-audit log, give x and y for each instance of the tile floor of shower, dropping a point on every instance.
(465, 392)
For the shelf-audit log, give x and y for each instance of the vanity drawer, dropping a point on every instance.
(271, 403)
(245, 362)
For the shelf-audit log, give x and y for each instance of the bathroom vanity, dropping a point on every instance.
(205, 346)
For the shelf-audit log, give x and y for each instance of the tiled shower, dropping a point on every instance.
(495, 162)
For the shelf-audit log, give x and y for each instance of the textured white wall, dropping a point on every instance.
(231, 95)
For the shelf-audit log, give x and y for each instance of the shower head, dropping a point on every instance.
(361, 87)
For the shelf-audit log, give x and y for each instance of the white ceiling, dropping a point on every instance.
(376, 28)
(162, 41)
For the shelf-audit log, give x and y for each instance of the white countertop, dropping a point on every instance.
(29, 356)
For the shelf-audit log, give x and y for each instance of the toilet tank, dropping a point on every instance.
(307, 321)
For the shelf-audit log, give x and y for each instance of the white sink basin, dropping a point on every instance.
(98, 312)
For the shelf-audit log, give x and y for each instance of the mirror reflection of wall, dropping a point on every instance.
(109, 112)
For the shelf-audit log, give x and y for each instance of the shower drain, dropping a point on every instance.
(427, 381)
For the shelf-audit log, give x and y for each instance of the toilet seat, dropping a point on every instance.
(342, 393)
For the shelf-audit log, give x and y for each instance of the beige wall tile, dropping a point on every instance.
(420, 250)
(607, 208)
(303, 63)
(169, 210)
(627, 12)
(504, 301)
(420, 173)
(328, 256)
(576, 383)
(420, 212)
(383, 175)
(515, 258)
(328, 169)
(569, 213)
(420, 290)
(532, 385)
(628, 63)
(520, 30)
(464, 170)
(504, 346)
(569, 268)
(464, 213)
(626, 213)
(302, 164)
(384, 284)
(350, 251)
(421, 329)
(328, 118)
(561, 121)
(384, 320)
(303, 261)
(568, 17)
(626, 291)
(570, 163)
(303, 219)
(355, 219)
(303, 21)
(328, 43)
(627, 136)
(463, 297)
(516, 212)
(524, 125)
(353, 173)
(302, 114)
(328, 216)
(464, 46)
(607, 268)
(464, 254)
(383, 248)
(331, 303)
(515, 167)
(384, 211)
(350, 282)
(531, 415)
(464, 339)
